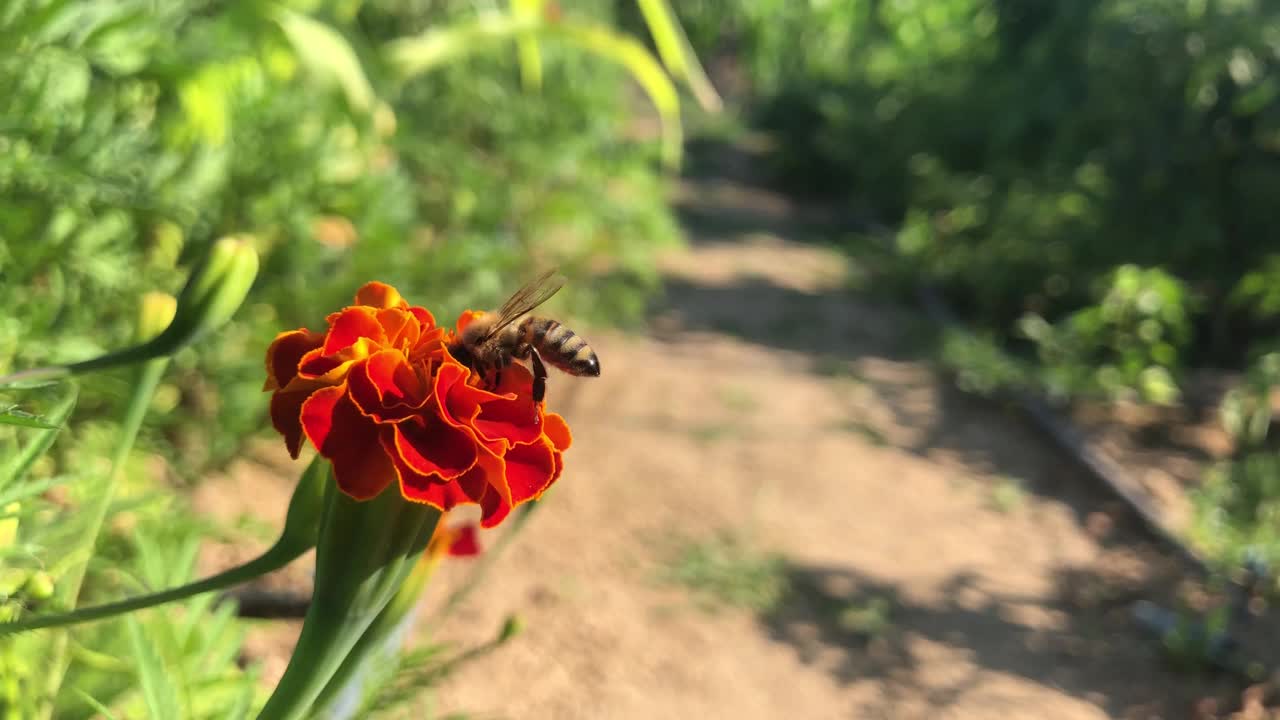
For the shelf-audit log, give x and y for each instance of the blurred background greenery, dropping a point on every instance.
(133, 134)
(1089, 183)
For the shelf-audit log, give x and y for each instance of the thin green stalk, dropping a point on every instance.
(273, 559)
(154, 348)
(35, 375)
(301, 527)
(515, 525)
(44, 438)
(148, 379)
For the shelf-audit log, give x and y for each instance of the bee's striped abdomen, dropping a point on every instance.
(561, 347)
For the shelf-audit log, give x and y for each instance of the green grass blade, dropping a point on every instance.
(244, 701)
(97, 706)
(13, 416)
(159, 694)
(676, 52)
(31, 489)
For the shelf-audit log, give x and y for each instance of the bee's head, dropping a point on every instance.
(475, 330)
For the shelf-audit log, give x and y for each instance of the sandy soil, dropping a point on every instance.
(769, 400)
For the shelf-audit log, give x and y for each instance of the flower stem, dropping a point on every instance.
(365, 553)
(375, 654)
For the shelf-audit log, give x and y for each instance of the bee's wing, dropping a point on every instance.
(533, 294)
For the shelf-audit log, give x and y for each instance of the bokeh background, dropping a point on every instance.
(826, 286)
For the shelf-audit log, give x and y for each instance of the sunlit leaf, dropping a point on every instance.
(646, 70)
(422, 53)
(328, 54)
(527, 43)
(676, 53)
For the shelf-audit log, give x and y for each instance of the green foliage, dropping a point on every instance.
(165, 130)
(1131, 338)
(1030, 150)
(1090, 184)
(1247, 410)
(179, 662)
(1238, 510)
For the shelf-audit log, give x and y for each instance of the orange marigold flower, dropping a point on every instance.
(380, 396)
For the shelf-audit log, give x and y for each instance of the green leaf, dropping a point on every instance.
(677, 54)
(160, 695)
(328, 54)
(11, 415)
(413, 56)
(646, 70)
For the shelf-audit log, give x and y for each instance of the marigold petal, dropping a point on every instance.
(460, 407)
(340, 433)
(465, 541)
(435, 491)
(434, 448)
(333, 369)
(505, 419)
(516, 380)
(466, 318)
(557, 431)
(380, 295)
(425, 318)
(513, 419)
(494, 508)
(352, 324)
(284, 354)
(487, 483)
(286, 418)
(530, 470)
(401, 327)
(386, 387)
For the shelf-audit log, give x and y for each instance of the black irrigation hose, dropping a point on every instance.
(269, 604)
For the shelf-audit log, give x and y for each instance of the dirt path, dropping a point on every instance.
(771, 402)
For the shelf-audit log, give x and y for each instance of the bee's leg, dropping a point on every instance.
(539, 376)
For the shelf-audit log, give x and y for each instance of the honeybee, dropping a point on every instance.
(494, 340)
